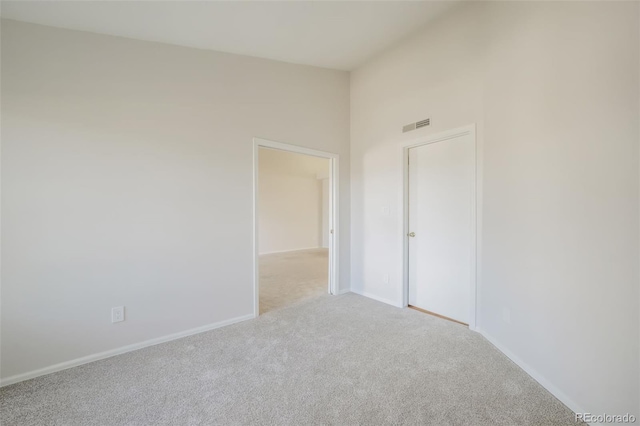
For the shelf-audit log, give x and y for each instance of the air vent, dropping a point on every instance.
(422, 123)
(416, 125)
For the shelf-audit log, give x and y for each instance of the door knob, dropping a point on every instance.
(411, 234)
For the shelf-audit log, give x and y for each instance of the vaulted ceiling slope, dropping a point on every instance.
(332, 34)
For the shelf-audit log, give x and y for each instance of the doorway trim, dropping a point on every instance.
(470, 131)
(333, 285)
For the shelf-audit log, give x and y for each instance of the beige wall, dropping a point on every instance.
(290, 200)
(553, 88)
(325, 231)
(127, 179)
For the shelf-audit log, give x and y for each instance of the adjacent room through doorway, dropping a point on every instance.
(293, 193)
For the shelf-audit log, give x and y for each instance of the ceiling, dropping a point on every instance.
(331, 34)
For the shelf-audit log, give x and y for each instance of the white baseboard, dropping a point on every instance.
(378, 298)
(344, 291)
(544, 382)
(289, 251)
(118, 351)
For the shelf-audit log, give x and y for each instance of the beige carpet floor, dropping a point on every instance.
(329, 360)
(288, 278)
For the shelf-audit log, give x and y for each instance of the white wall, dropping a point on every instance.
(325, 230)
(290, 200)
(127, 179)
(553, 88)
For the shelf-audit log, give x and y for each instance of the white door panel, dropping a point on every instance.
(440, 214)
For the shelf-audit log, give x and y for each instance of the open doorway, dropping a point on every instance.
(295, 231)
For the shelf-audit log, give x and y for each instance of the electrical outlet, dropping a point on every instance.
(385, 278)
(385, 210)
(117, 314)
(506, 315)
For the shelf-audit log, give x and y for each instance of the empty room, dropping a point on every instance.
(319, 213)
(294, 234)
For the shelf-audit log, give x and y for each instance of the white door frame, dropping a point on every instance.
(333, 212)
(439, 137)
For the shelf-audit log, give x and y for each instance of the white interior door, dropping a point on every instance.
(441, 199)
